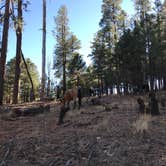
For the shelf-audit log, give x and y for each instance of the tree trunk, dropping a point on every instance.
(4, 49)
(164, 83)
(64, 75)
(48, 87)
(125, 88)
(32, 93)
(18, 53)
(43, 52)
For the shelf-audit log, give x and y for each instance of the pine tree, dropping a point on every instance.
(4, 49)
(66, 47)
(75, 62)
(18, 26)
(112, 25)
(142, 9)
(130, 52)
(61, 48)
(163, 42)
(24, 81)
(110, 21)
(99, 57)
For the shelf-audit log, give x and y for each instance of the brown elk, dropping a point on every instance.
(70, 95)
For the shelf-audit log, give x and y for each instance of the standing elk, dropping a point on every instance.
(70, 95)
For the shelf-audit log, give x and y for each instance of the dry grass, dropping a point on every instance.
(142, 123)
(90, 136)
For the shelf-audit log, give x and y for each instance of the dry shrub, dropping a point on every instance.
(142, 123)
(74, 112)
(103, 126)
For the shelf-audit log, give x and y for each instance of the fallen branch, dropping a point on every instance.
(68, 162)
(9, 148)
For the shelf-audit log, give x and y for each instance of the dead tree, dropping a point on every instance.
(43, 52)
(32, 96)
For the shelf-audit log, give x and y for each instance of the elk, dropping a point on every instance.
(71, 95)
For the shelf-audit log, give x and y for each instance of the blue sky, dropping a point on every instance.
(84, 17)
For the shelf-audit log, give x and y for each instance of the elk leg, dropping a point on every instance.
(68, 104)
(62, 114)
(74, 104)
(79, 102)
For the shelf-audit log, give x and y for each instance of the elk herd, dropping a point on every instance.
(74, 95)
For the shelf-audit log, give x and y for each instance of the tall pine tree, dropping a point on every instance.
(4, 49)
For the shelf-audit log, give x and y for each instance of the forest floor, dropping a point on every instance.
(91, 136)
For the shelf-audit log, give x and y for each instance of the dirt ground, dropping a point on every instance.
(95, 135)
